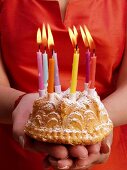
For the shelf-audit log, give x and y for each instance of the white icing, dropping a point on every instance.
(76, 113)
(83, 101)
(54, 114)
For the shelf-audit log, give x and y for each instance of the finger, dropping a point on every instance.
(85, 163)
(91, 160)
(106, 144)
(78, 151)
(19, 121)
(60, 164)
(105, 147)
(54, 150)
(52, 161)
(21, 114)
(29, 143)
(103, 158)
(65, 163)
(23, 141)
(93, 148)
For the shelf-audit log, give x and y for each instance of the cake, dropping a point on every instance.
(64, 120)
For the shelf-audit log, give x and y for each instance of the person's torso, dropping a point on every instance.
(19, 23)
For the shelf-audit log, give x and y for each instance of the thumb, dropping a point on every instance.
(19, 121)
(21, 114)
(20, 117)
(106, 144)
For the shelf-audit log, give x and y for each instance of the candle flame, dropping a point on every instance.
(75, 32)
(84, 37)
(44, 36)
(73, 36)
(50, 37)
(89, 38)
(39, 40)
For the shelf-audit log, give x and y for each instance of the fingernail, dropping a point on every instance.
(21, 141)
(60, 165)
(108, 145)
(81, 163)
(65, 167)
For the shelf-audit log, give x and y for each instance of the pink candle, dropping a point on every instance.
(40, 65)
(40, 70)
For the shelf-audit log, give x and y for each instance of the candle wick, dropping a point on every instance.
(39, 46)
(93, 51)
(76, 47)
(88, 49)
(52, 51)
(45, 48)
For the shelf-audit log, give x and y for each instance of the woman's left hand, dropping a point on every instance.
(84, 157)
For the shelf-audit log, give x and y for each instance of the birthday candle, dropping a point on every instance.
(51, 64)
(87, 57)
(93, 58)
(87, 66)
(45, 57)
(54, 56)
(57, 79)
(45, 68)
(40, 65)
(51, 76)
(93, 71)
(40, 68)
(74, 72)
(73, 36)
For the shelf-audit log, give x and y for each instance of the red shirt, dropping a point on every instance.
(19, 22)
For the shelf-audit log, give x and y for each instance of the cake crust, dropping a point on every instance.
(64, 121)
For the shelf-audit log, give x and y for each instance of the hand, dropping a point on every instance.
(84, 157)
(20, 116)
(59, 156)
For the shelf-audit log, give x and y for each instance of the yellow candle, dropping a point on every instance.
(74, 71)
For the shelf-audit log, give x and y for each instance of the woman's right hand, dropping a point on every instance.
(20, 117)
